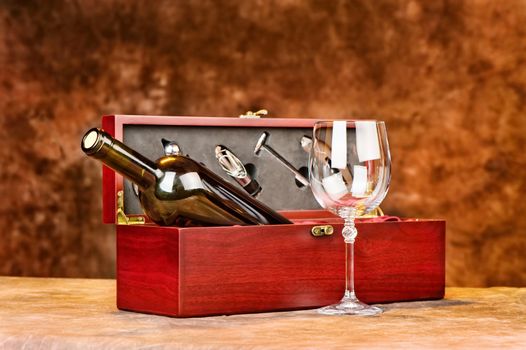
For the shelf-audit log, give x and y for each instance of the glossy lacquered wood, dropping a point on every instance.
(226, 270)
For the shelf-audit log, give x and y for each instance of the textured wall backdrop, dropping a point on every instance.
(449, 77)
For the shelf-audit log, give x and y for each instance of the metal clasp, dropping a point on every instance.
(122, 218)
(257, 114)
(323, 230)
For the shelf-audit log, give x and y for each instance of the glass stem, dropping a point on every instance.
(349, 234)
(349, 271)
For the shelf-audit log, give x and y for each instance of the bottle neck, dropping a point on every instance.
(116, 155)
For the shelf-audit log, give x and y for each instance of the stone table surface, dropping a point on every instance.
(81, 314)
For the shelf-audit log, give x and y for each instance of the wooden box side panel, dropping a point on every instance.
(255, 270)
(400, 261)
(148, 269)
(284, 267)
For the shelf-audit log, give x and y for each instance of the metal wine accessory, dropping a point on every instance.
(306, 143)
(171, 148)
(231, 164)
(261, 144)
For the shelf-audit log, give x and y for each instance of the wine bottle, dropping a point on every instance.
(176, 190)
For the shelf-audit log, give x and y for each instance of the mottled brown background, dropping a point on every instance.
(448, 76)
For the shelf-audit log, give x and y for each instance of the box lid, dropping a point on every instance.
(198, 136)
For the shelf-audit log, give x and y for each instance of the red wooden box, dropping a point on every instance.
(225, 270)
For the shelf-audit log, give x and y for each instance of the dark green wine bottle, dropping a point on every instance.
(176, 190)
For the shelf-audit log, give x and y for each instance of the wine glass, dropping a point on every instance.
(349, 171)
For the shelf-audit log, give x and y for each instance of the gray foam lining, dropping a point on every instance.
(280, 191)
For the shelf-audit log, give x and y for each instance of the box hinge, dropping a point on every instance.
(122, 218)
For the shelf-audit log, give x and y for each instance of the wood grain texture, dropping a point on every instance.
(228, 270)
(37, 313)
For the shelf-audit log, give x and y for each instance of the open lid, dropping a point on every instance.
(198, 138)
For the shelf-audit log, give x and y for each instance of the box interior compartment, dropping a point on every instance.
(280, 190)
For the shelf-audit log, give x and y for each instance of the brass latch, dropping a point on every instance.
(257, 114)
(323, 230)
(122, 219)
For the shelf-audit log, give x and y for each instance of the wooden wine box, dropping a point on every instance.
(201, 271)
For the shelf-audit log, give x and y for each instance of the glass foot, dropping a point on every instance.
(350, 307)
